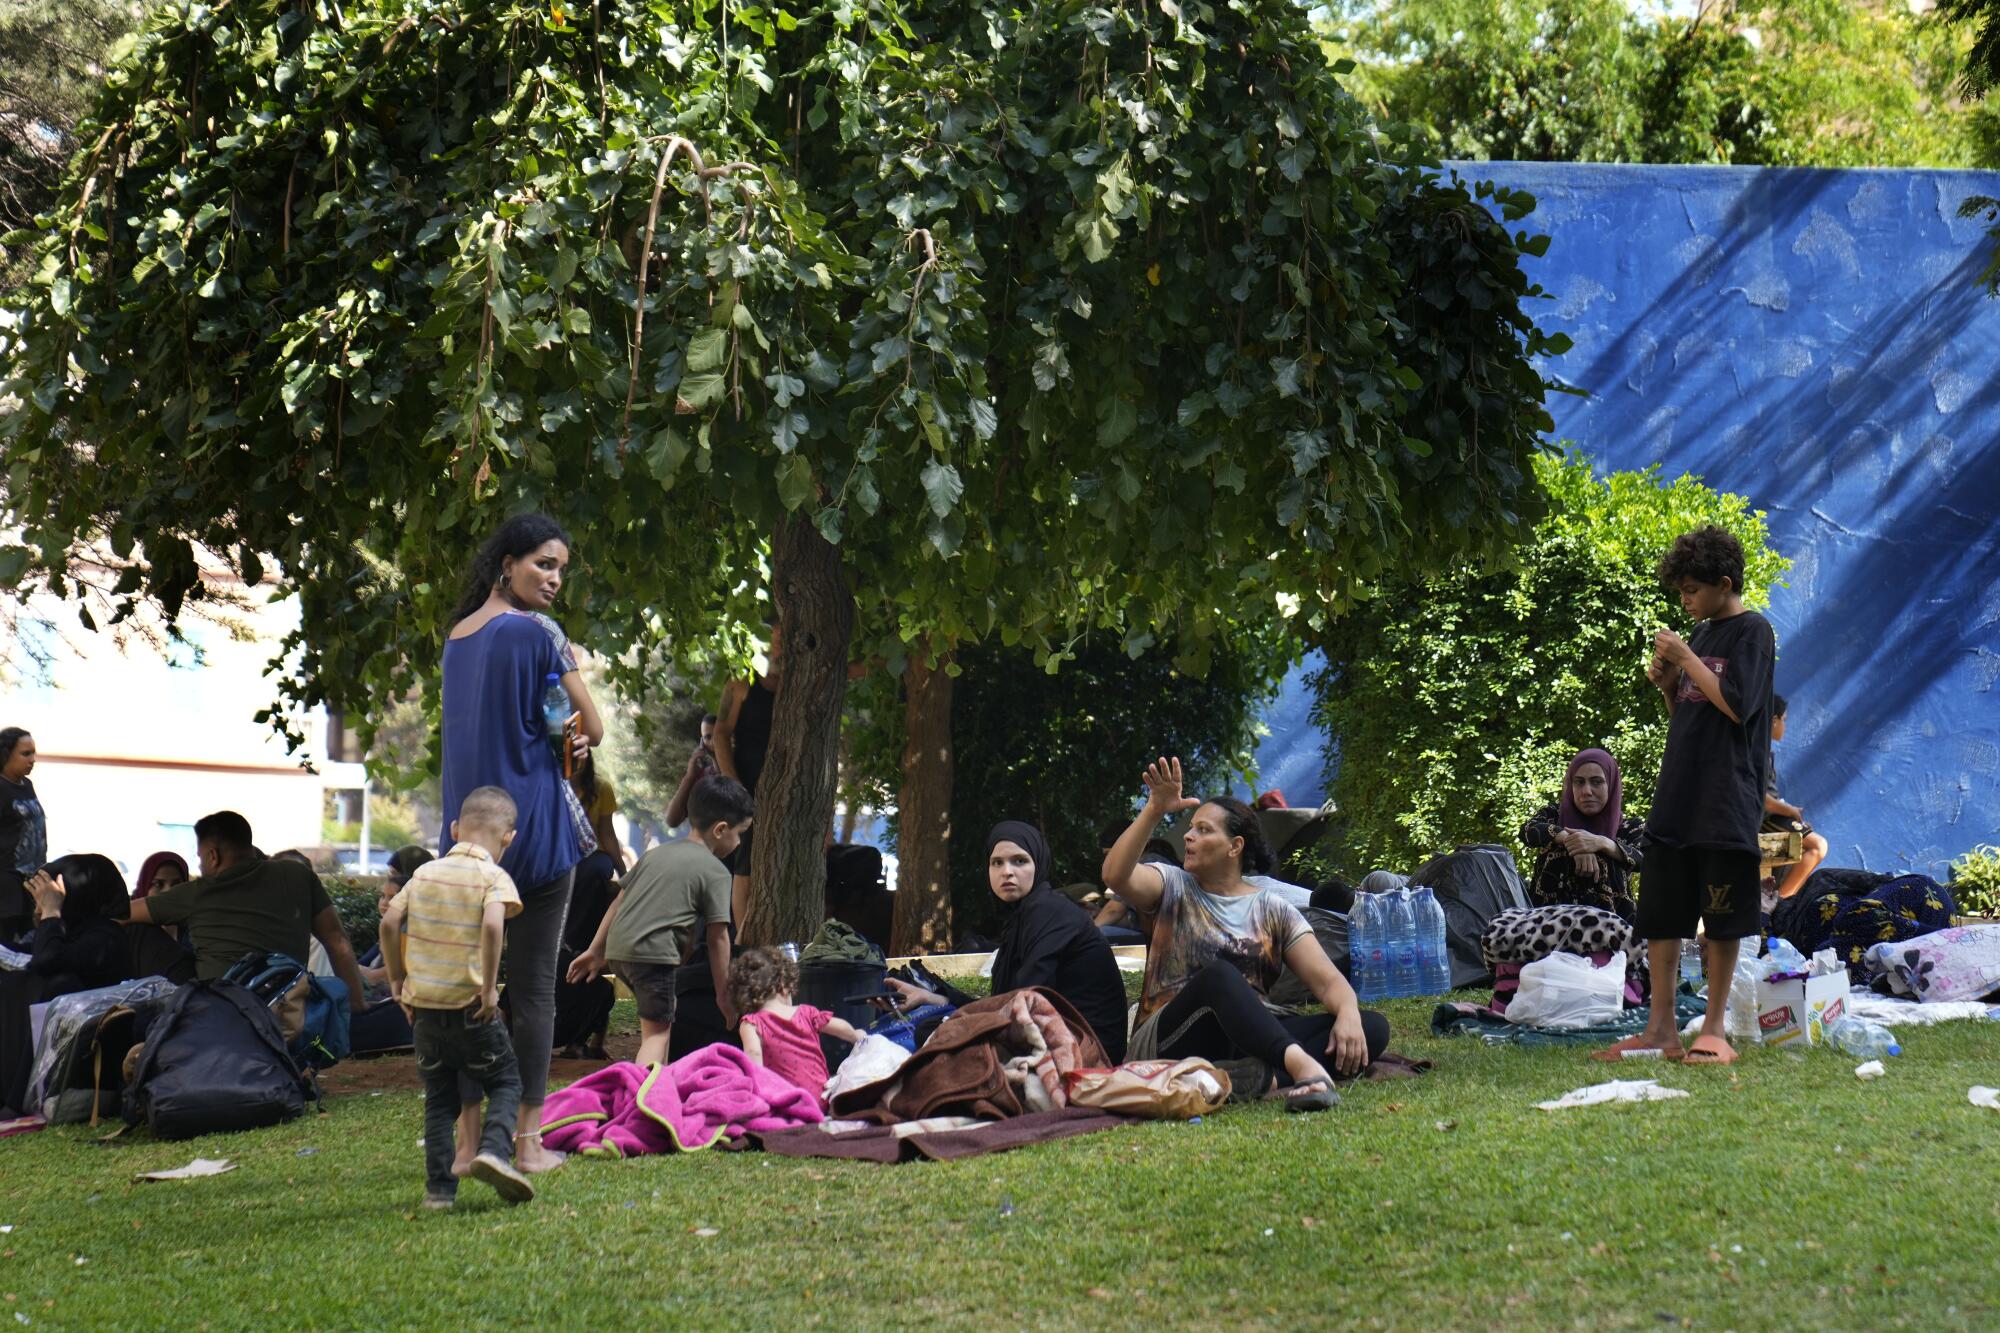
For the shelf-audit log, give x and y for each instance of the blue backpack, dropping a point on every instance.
(311, 1010)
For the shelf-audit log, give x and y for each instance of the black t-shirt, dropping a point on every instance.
(1711, 788)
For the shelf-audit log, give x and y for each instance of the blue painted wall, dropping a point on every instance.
(1814, 340)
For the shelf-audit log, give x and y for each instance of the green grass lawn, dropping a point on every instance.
(1783, 1192)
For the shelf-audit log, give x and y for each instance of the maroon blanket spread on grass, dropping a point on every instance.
(884, 1143)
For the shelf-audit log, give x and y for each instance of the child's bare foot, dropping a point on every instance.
(531, 1157)
(461, 1162)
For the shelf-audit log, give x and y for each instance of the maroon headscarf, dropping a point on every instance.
(143, 885)
(1606, 821)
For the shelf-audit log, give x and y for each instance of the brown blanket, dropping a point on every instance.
(964, 1069)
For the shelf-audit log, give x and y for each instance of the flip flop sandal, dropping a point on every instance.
(1615, 1053)
(1318, 1096)
(1710, 1051)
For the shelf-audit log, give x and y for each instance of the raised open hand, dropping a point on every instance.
(49, 892)
(1163, 786)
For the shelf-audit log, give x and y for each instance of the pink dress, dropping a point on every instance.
(791, 1047)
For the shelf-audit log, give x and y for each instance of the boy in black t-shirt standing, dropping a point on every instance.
(1701, 834)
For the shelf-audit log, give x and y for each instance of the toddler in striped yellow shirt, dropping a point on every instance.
(441, 940)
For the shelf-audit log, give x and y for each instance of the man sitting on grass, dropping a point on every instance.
(246, 902)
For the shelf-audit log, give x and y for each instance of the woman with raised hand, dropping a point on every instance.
(500, 654)
(1218, 945)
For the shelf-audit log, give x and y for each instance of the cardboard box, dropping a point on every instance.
(1797, 1010)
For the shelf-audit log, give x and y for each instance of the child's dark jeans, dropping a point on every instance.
(450, 1042)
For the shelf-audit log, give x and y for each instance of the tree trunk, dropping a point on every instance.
(795, 795)
(923, 878)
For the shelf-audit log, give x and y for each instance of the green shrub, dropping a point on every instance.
(1455, 703)
(354, 898)
(1975, 881)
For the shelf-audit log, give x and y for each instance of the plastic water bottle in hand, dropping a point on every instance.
(556, 715)
(1862, 1039)
(555, 709)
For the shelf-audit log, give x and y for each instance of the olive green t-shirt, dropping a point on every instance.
(255, 906)
(663, 896)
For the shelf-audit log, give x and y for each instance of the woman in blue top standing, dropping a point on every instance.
(498, 657)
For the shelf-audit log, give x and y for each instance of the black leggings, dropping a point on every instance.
(1236, 1023)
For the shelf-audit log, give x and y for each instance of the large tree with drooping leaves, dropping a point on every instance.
(944, 323)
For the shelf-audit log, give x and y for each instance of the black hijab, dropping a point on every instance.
(1020, 920)
(1030, 840)
(1047, 940)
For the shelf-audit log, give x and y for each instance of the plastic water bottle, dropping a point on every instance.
(1365, 948)
(555, 710)
(1433, 963)
(555, 707)
(1691, 963)
(1862, 1039)
(1404, 979)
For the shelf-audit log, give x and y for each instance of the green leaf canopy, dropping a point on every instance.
(1050, 316)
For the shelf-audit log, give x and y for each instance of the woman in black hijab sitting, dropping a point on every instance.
(1045, 939)
(78, 946)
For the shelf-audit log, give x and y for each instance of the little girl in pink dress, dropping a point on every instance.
(780, 1035)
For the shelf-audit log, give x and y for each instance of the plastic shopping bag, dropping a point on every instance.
(1565, 991)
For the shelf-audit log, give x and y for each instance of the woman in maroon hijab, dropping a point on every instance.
(1587, 847)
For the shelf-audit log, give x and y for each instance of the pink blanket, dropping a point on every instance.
(627, 1110)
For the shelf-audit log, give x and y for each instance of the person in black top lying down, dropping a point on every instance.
(1045, 940)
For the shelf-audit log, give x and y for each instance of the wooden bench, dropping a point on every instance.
(974, 964)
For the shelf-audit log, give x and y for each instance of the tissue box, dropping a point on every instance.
(1796, 1010)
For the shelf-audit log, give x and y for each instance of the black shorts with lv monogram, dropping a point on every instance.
(1683, 885)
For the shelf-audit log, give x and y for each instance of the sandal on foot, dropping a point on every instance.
(1317, 1095)
(1710, 1051)
(1631, 1047)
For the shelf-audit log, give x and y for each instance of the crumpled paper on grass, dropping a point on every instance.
(1986, 1097)
(199, 1167)
(1617, 1090)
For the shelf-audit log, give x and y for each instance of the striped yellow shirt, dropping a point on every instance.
(443, 906)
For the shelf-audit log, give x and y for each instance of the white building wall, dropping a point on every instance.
(135, 745)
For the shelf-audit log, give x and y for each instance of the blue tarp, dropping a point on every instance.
(1817, 341)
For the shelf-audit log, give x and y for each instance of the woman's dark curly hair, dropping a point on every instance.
(1706, 555)
(1240, 821)
(759, 974)
(517, 537)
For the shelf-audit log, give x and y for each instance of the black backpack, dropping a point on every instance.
(214, 1062)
